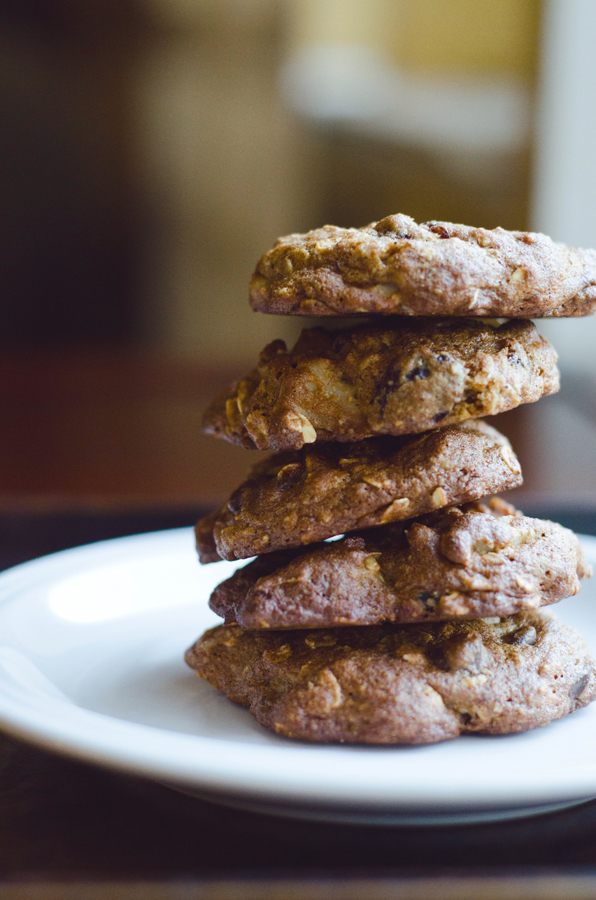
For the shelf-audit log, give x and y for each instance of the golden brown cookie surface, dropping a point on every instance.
(390, 684)
(405, 378)
(483, 559)
(396, 266)
(298, 497)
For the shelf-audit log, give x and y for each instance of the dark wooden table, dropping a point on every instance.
(96, 446)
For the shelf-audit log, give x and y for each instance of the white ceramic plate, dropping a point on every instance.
(91, 647)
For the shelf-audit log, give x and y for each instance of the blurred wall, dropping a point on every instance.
(152, 150)
(226, 167)
(229, 166)
(68, 225)
(479, 37)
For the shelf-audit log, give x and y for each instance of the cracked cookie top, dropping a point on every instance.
(391, 684)
(400, 378)
(299, 497)
(397, 266)
(482, 559)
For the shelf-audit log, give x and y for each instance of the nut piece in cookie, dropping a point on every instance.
(397, 266)
(298, 497)
(460, 562)
(404, 378)
(391, 684)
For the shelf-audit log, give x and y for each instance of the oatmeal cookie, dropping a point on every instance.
(396, 266)
(392, 684)
(399, 379)
(301, 496)
(482, 559)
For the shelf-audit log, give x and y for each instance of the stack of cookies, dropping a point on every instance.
(423, 619)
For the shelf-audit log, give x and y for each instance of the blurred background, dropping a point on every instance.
(152, 150)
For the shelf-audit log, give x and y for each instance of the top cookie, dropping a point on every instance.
(397, 267)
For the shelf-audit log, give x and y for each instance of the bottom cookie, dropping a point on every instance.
(412, 684)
